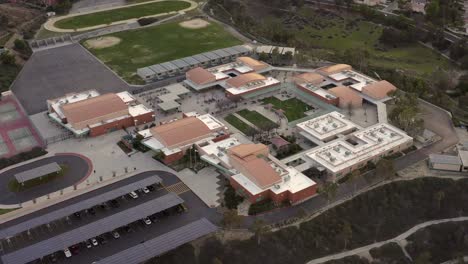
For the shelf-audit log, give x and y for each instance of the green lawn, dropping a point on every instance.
(107, 17)
(237, 123)
(293, 108)
(333, 37)
(4, 211)
(152, 45)
(15, 186)
(8, 74)
(256, 118)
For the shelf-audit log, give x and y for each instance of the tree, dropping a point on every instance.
(231, 219)
(432, 10)
(439, 196)
(330, 189)
(251, 132)
(7, 58)
(259, 228)
(20, 44)
(423, 258)
(346, 234)
(385, 168)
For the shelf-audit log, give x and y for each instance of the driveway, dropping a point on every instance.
(78, 169)
(439, 122)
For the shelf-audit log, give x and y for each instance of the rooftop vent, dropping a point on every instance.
(277, 186)
(347, 153)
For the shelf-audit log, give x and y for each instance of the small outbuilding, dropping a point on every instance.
(444, 162)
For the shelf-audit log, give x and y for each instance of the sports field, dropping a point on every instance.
(107, 17)
(152, 45)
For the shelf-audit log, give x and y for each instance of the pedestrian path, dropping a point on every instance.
(397, 239)
(178, 188)
(245, 120)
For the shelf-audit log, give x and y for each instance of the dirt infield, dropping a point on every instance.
(194, 23)
(102, 42)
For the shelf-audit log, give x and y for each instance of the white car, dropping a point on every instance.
(94, 241)
(115, 234)
(147, 221)
(145, 190)
(67, 253)
(133, 195)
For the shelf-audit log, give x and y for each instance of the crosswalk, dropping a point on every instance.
(178, 188)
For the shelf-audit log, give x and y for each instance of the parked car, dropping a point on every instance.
(115, 203)
(77, 215)
(75, 249)
(128, 229)
(102, 239)
(145, 190)
(94, 241)
(53, 258)
(151, 188)
(147, 221)
(115, 234)
(92, 211)
(88, 244)
(67, 253)
(133, 195)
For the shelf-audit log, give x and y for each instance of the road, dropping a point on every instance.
(78, 169)
(397, 239)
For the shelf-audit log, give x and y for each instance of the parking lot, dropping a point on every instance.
(108, 244)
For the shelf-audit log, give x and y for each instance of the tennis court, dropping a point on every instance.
(8, 113)
(22, 138)
(17, 134)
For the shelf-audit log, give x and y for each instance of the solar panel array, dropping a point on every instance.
(79, 206)
(161, 244)
(193, 60)
(37, 172)
(91, 230)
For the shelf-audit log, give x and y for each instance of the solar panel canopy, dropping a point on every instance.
(161, 244)
(96, 228)
(76, 207)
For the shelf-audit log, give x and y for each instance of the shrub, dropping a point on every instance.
(231, 198)
(23, 156)
(146, 21)
(262, 206)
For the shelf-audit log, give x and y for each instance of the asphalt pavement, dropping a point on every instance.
(78, 168)
(55, 72)
(141, 232)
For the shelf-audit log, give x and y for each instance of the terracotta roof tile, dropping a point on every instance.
(182, 131)
(94, 107)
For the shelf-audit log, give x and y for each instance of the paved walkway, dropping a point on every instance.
(50, 24)
(245, 120)
(397, 239)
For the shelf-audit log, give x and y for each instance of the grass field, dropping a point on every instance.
(15, 186)
(152, 45)
(338, 35)
(107, 17)
(293, 108)
(237, 123)
(256, 118)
